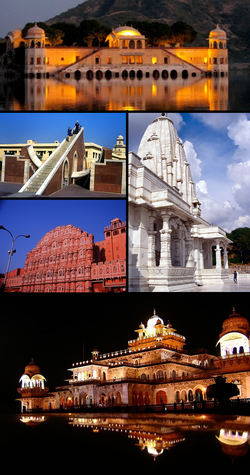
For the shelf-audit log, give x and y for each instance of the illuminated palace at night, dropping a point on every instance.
(67, 259)
(154, 369)
(126, 56)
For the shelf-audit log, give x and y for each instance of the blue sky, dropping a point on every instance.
(37, 217)
(101, 128)
(16, 13)
(217, 146)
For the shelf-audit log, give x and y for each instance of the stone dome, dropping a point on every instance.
(126, 31)
(154, 320)
(31, 369)
(235, 323)
(218, 33)
(35, 32)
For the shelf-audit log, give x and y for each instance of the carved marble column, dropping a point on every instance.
(151, 240)
(165, 232)
(225, 257)
(218, 255)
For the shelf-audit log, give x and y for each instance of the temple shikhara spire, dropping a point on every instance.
(171, 245)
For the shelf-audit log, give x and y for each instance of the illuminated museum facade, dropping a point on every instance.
(170, 245)
(67, 259)
(126, 56)
(154, 369)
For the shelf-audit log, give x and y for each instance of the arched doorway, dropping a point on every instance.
(103, 399)
(78, 75)
(198, 395)
(89, 74)
(108, 74)
(156, 74)
(65, 174)
(161, 397)
(173, 74)
(99, 74)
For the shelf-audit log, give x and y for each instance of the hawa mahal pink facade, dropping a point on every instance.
(66, 259)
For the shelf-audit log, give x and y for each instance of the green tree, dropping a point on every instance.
(241, 243)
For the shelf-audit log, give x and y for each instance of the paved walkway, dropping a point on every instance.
(243, 285)
(10, 190)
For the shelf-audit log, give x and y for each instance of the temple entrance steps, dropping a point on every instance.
(41, 178)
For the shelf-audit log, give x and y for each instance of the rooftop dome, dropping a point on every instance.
(126, 31)
(218, 33)
(35, 32)
(31, 369)
(154, 320)
(235, 323)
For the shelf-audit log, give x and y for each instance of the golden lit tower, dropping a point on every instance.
(32, 388)
(157, 333)
(35, 55)
(217, 52)
(234, 338)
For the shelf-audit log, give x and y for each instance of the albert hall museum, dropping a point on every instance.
(154, 369)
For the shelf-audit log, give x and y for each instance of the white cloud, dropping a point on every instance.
(239, 132)
(239, 173)
(177, 119)
(217, 121)
(193, 160)
(201, 187)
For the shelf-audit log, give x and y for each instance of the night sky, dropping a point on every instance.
(53, 329)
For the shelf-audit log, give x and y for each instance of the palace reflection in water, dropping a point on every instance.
(160, 433)
(118, 94)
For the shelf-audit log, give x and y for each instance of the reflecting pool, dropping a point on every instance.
(159, 441)
(115, 94)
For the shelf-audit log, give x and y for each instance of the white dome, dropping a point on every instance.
(154, 320)
(35, 32)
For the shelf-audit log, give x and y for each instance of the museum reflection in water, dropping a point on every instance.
(120, 94)
(158, 433)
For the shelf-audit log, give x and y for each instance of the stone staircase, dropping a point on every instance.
(45, 170)
(41, 178)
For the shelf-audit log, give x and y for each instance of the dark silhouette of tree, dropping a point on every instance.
(183, 33)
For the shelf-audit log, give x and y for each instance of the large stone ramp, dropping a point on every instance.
(41, 178)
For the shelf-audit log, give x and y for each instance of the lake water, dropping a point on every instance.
(110, 442)
(131, 94)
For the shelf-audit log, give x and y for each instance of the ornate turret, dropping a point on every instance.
(35, 55)
(234, 338)
(32, 387)
(157, 333)
(217, 52)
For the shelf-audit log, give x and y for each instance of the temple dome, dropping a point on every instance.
(35, 32)
(31, 369)
(126, 31)
(235, 323)
(218, 33)
(154, 320)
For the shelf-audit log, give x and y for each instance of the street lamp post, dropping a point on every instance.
(11, 252)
